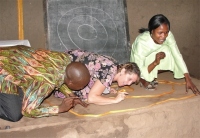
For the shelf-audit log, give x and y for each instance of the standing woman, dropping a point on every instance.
(155, 50)
(103, 71)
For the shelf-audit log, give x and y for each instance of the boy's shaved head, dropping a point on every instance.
(77, 76)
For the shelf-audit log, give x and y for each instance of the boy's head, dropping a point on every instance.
(77, 76)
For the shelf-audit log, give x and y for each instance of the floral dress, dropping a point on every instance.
(101, 68)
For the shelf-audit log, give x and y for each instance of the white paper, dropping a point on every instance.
(9, 43)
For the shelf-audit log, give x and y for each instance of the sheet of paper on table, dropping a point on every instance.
(9, 43)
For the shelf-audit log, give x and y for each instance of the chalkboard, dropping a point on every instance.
(94, 25)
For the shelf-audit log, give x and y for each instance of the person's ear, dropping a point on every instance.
(151, 32)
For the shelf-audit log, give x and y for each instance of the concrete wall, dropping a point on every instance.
(183, 15)
(34, 29)
(33, 13)
(8, 20)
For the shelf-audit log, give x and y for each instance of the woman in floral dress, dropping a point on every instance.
(104, 71)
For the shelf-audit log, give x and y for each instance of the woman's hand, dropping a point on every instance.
(159, 56)
(95, 95)
(190, 85)
(112, 90)
(120, 97)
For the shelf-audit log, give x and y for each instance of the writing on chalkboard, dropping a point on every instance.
(99, 26)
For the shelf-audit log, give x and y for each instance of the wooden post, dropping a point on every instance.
(20, 19)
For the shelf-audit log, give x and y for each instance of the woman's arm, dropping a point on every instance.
(159, 56)
(95, 95)
(190, 84)
(179, 61)
(181, 64)
(142, 47)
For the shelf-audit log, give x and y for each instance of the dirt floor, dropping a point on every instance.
(165, 112)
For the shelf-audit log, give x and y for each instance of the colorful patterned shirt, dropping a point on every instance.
(36, 72)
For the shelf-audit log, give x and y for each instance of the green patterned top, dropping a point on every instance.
(36, 72)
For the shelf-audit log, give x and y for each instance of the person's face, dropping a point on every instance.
(126, 78)
(159, 34)
(76, 86)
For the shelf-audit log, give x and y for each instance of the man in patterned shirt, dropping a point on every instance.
(29, 76)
